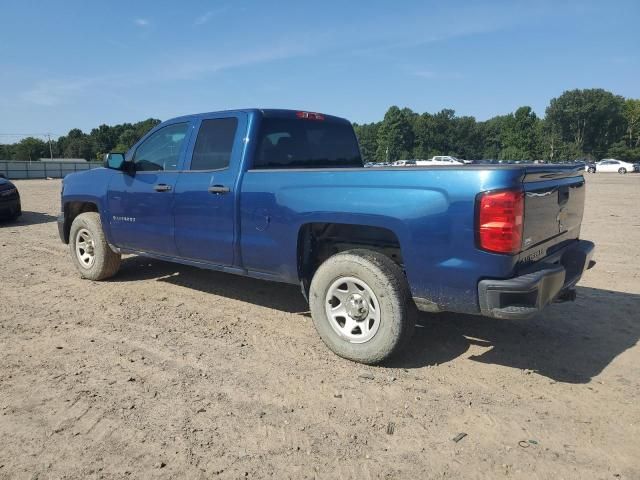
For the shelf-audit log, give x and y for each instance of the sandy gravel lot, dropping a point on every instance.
(173, 372)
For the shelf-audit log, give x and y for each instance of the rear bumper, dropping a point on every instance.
(523, 296)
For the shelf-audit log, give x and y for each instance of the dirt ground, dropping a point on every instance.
(168, 371)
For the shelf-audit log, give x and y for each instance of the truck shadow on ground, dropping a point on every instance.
(28, 218)
(570, 342)
(279, 296)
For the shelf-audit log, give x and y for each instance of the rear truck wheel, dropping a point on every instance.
(361, 306)
(591, 170)
(622, 170)
(90, 251)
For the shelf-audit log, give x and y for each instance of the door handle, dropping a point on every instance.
(218, 189)
(162, 187)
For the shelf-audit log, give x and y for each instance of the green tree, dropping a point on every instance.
(591, 120)
(491, 132)
(442, 132)
(126, 140)
(521, 140)
(6, 152)
(395, 135)
(368, 139)
(631, 114)
(104, 138)
(466, 138)
(622, 151)
(143, 127)
(30, 149)
(76, 144)
(423, 136)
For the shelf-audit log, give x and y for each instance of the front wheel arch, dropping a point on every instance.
(71, 210)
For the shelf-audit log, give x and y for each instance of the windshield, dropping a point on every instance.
(304, 143)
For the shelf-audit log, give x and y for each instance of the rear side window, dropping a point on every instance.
(303, 143)
(214, 144)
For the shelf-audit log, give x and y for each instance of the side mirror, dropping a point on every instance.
(114, 160)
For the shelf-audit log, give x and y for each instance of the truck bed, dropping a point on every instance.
(429, 209)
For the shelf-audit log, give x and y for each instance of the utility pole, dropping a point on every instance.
(50, 149)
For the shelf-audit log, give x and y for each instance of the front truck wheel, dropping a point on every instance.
(90, 251)
(361, 306)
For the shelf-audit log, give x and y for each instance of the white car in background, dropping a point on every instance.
(610, 165)
(440, 160)
(404, 163)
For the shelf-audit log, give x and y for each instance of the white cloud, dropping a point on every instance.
(204, 18)
(199, 65)
(425, 74)
(436, 75)
(53, 92)
(141, 22)
(208, 15)
(50, 93)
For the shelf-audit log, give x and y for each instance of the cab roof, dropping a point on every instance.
(264, 112)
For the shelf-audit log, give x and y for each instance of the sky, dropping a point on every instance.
(79, 64)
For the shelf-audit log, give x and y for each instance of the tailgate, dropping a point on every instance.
(554, 204)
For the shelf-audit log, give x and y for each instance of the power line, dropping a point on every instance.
(28, 134)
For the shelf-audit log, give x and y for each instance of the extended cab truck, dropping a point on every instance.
(282, 195)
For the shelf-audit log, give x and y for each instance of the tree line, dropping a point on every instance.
(579, 124)
(76, 144)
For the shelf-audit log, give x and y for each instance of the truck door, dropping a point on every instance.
(205, 195)
(140, 202)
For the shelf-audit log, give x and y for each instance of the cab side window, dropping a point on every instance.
(161, 151)
(214, 144)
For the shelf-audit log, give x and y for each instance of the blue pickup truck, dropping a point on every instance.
(283, 195)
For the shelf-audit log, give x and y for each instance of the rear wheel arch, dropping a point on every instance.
(319, 241)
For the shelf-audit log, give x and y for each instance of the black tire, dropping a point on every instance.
(106, 262)
(622, 170)
(591, 170)
(18, 213)
(389, 285)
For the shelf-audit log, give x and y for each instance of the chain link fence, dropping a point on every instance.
(14, 170)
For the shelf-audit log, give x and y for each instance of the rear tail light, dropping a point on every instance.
(310, 115)
(500, 220)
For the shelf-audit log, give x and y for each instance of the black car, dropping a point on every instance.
(10, 207)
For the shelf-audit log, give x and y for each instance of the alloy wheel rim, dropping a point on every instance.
(352, 309)
(85, 248)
